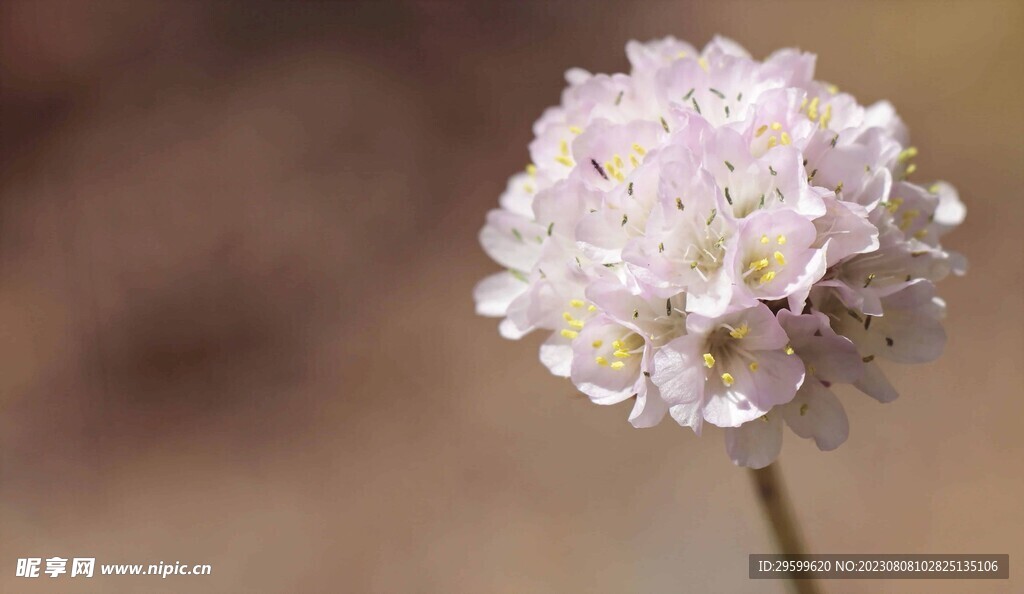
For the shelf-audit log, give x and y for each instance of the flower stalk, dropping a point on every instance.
(770, 492)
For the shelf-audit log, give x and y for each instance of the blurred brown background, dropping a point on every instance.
(237, 250)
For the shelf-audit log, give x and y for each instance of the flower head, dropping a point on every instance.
(723, 241)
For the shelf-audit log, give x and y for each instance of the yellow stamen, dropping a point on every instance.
(756, 265)
(912, 168)
(772, 141)
(709, 361)
(577, 324)
(894, 204)
(786, 139)
(740, 332)
(576, 129)
(681, 55)
(803, 409)
(764, 239)
(563, 147)
(529, 188)
(703, 63)
(633, 161)
(597, 344)
(920, 234)
(776, 126)
(727, 379)
(766, 277)
(564, 160)
(591, 308)
(825, 119)
(753, 365)
(781, 240)
(780, 258)
(832, 89)
(639, 149)
(812, 109)
(617, 365)
(618, 162)
(567, 316)
(907, 154)
(760, 131)
(531, 169)
(576, 303)
(617, 344)
(622, 354)
(908, 218)
(789, 350)
(570, 334)
(601, 361)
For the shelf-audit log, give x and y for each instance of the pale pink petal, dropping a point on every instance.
(755, 444)
(876, 385)
(494, 294)
(815, 413)
(556, 355)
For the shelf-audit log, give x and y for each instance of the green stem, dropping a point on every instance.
(770, 492)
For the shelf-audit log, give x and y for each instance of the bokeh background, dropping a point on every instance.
(237, 250)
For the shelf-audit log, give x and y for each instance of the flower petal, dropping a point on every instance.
(495, 293)
(755, 444)
(816, 414)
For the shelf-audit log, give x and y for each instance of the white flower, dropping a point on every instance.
(728, 370)
(722, 240)
(815, 412)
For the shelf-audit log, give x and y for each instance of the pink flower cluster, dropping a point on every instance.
(722, 240)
